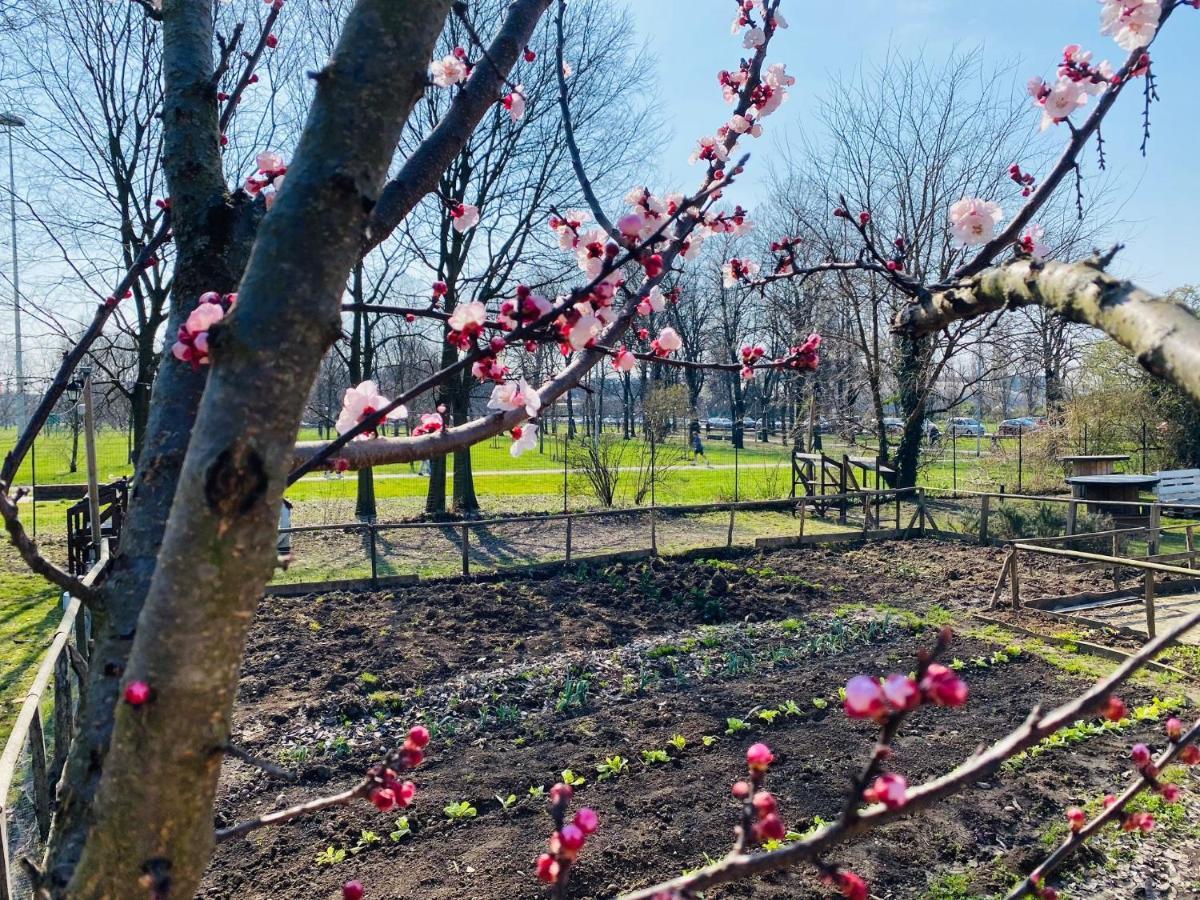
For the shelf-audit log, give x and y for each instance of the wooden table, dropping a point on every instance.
(1102, 493)
(1092, 465)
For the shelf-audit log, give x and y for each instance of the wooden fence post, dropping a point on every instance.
(653, 532)
(921, 509)
(866, 502)
(1014, 578)
(985, 512)
(803, 516)
(466, 550)
(570, 524)
(1155, 520)
(374, 556)
(1150, 603)
(1001, 579)
(842, 489)
(1190, 537)
(63, 714)
(37, 771)
(729, 537)
(1072, 516)
(1116, 569)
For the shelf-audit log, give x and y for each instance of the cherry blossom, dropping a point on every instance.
(901, 692)
(430, 422)
(942, 687)
(759, 757)
(973, 221)
(524, 438)
(667, 342)
(655, 301)
(359, 403)
(1061, 99)
(449, 71)
(526, 308)
(806, 356)
(709, 148)
(466, 324)
(464, 217)
(1115, 709)
(1032, 243)
(567, 228)
(490, 369)
(353, 890)
(137, 693)
(515, 395)
(624, 361)
(1131, 23)
(738, 270)
(191, 344)
(515, 103)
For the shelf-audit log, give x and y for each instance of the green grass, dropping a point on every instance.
(30, 611)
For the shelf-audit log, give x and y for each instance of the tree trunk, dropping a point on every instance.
(152, 830)
(911, 378)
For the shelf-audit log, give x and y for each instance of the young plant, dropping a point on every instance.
(537, 791)
(678, 741)
(403, 829)
(768, 715)
(331, 856)
(506, 803)
(708, 740)
(573, 780)
(611, 767)
(655, 757)
(733, 726)
(463, 809)
(790, 708)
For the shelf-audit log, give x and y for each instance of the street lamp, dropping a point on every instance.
(10, 121)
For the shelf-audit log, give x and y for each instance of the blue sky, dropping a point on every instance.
(1152, 207)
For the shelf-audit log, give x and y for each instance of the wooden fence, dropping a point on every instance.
(60, 678)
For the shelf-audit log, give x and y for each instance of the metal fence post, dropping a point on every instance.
(570, 523)
(466, 550)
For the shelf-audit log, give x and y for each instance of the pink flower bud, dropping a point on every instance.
(383, 798)
(631, 225)
(758, 757)
(353, 890)
(586, 820)
(137, 693)
(571, 838)
(770, 828)
(561, 793)
(889, 789)
(741, 789)
(851, 886)
(764, 804)
(1115, 709)
(1190, 755)
(901, 692)
(864, 217)
(419, 735)
(1076, 818)
(547, 868)
(941, 686)
(864, 698)
(1170, 793)
(1174, 729)
(1140, 754)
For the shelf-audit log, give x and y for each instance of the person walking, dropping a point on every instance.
(698, 450)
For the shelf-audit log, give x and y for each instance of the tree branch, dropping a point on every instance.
(1163, 336)
(737, 866)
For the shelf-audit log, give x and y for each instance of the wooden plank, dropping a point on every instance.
(63, 717)
(729, 537)
(1001, 581)
(1014, 578)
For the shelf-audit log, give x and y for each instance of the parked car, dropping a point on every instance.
(719, 422)
(893, 425)
(960, 426)
(1019, 425)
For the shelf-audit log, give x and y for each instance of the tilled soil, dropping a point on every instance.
(667, 649)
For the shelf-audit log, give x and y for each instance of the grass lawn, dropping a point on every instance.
(30, 611)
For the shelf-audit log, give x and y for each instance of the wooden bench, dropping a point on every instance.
(1179, 486)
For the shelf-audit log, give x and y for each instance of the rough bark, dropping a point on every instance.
(218, 548)
(1162, 335)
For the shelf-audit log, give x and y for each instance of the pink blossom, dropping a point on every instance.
(430, 424)
(1131, 23)
(1076, 818)
(631, 225)
(571, 838)
(269, 161)
(515, 395)
(667, 342)
(466, 323)
(547, 868)
(464, 217)
(586, 820)
(448, 71)
(360, 402)
(525, 438)
(1140, 754)
(1170, 793)
(754, 38)
(584, 331)
(1174, 729)
(515, 103)
(941, 686)
(1032, 242)
(889, 789)
(973, 221)
(353, 890)
(1115, 709)
(624, 361)
(770, 828)
(864, 698)
(1063, 98)
(901, 692)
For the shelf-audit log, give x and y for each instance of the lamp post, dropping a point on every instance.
(9, 121)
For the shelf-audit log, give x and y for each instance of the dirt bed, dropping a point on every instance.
(663, 650)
